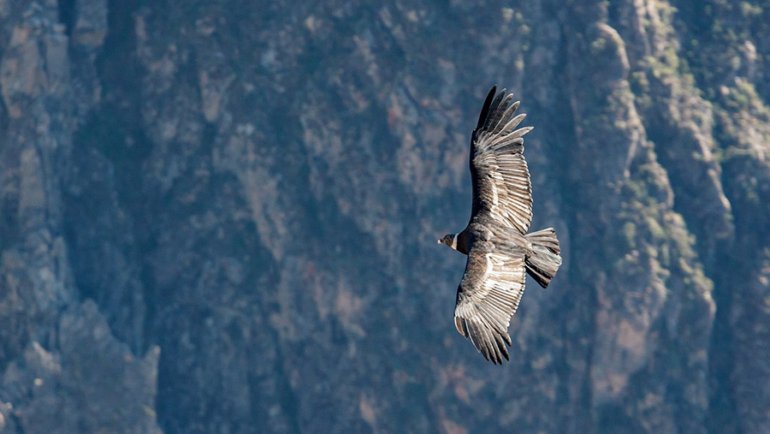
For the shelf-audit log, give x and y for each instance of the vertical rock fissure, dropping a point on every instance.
(580, 340)
(722, 414)
(67, 14)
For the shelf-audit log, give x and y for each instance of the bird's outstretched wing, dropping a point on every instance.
(501, 184)
(488, 297)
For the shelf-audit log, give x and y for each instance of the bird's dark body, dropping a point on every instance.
(496, 240)
(480, 229)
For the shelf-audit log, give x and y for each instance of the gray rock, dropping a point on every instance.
(255, 189)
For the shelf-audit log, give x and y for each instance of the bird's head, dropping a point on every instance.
(450, 240)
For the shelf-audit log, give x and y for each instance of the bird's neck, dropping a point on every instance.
(462, 242)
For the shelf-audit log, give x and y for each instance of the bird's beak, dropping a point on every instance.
(438, 241)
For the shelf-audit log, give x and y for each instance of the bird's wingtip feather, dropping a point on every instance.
(485, 108)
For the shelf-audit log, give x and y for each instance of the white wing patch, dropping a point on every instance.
(490, 265)
(495, 198)
(488, 297)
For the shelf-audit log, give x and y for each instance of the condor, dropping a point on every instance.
(496, 239)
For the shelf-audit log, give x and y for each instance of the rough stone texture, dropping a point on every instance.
(91, 384)
(220, 216)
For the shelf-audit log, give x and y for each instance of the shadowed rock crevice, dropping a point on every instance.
(67, 14)
(107, 209)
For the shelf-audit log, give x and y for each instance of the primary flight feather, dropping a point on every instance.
(499, 249)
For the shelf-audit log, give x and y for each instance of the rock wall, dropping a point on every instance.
(221, 216)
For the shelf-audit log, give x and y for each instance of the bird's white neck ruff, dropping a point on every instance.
(454, 242)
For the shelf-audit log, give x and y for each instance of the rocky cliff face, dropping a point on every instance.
(221, 216)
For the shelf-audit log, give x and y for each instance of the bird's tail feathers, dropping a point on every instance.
(543, 260)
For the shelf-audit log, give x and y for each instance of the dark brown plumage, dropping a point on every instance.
(496, 241)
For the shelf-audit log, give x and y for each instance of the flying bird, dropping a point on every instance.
(496, 239)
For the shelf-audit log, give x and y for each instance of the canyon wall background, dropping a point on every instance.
(220, 216)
